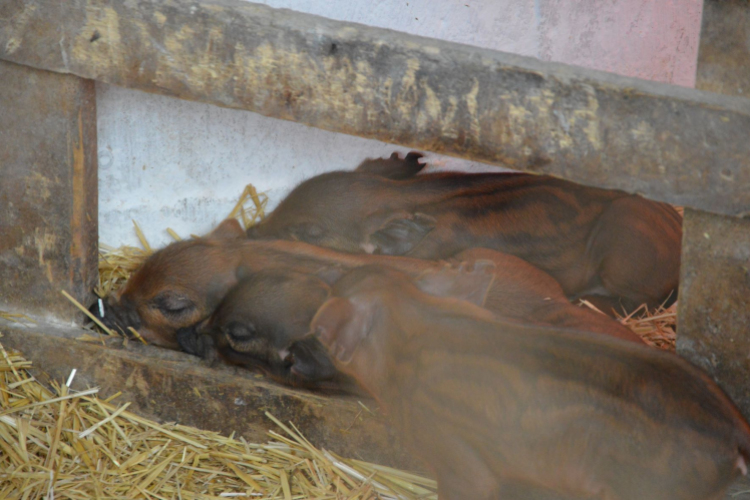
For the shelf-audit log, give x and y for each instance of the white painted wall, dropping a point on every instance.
(170, 163)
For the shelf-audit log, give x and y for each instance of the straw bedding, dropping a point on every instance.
(56, 443)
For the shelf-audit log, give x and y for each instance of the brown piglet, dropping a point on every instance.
(615, 249)
(262, 323)
(182, 285)
(503, 410)
(263, 319)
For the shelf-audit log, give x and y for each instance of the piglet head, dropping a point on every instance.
(374, 312)
(176, 287)
(325, 211)
(264, 313)
(358, 324)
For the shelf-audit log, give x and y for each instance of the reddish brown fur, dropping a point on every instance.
(262, 323)
(197, 274)
(503, 410)
(610, 247)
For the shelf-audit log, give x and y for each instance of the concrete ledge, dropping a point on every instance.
(668, 143)
(170, 386)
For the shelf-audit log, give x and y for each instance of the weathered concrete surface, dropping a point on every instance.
(714, 305)
(48, 191)
(170, 386)
(671, 144)
(724, 54)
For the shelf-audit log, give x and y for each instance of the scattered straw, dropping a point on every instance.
(136, 334)
(61, 443)
(250, 208)
(117, 264)
(142, 238)
(16, 318)
(657, 328)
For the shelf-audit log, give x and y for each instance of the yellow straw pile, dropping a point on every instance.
(63, 444)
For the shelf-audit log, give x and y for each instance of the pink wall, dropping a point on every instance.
(650, 39)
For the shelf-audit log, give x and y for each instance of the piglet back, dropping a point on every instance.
(575, 413)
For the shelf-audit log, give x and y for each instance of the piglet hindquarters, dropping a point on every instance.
(500, 410)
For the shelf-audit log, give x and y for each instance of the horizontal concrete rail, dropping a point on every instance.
(668, 143)
(170, 386)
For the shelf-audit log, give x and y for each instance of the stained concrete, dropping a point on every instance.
(170, 163)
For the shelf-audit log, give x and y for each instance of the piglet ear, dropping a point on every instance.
(340, 328)
(393, 168)
(401, 233)
(469, 281)
(229, 229)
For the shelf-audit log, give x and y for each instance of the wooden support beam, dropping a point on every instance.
(714, 297)
(668, 143)
(171, 386)
(48, 192)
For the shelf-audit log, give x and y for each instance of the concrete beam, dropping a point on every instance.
(48, 192)
(170, 386)
(714, 304)
(668, 143)
(714, 300)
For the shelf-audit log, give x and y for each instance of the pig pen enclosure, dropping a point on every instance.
(668, 143)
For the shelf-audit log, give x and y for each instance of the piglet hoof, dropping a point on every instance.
(413, 156)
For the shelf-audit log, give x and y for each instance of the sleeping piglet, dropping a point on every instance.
(183, 284)
(504, 410)
(615, 249)
(262, 323)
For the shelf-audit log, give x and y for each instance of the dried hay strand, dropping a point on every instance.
(117, 264)
(249, 214)
(657, 328)
(63, 444)
(16, 318)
